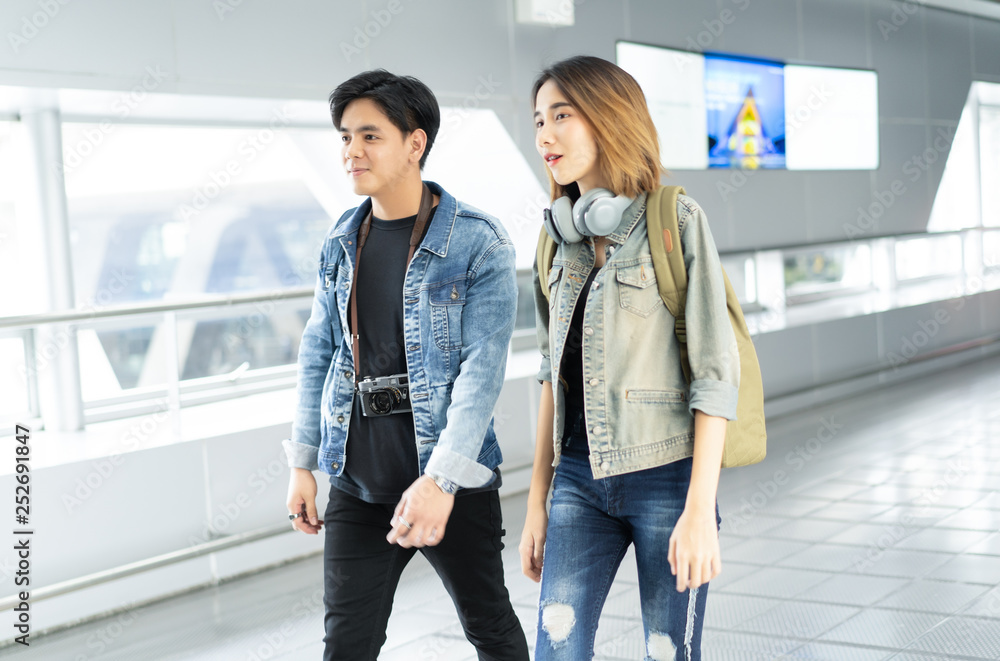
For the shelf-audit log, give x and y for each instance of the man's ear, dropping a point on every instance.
(418, 143)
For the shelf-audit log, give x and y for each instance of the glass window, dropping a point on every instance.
(741, 270)
(169, 212)
(991, 250)
(928, 257)
(989, 159)
(821, 272)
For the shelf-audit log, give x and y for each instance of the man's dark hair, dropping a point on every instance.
(408, 103)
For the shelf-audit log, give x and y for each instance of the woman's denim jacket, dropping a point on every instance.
(639, 409)
(459, 303)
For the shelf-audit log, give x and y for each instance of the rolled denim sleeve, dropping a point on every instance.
(711, 343)
(541, 325)
(315, 355)
(487, 326)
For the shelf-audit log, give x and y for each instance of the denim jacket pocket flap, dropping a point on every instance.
(448, 293)
(640, 275)
(554, 273)
(645, 396)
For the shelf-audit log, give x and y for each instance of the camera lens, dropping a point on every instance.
(382, 402)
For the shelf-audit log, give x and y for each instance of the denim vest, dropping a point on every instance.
(639, 409)
(459, 304)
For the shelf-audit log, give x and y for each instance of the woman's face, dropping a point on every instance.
(565, 141)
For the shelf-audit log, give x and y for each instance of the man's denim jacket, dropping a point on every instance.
(459, 303)
(639, 409)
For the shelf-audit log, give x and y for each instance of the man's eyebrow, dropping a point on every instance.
(367, 128)
(557, 104)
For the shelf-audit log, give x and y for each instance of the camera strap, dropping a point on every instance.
(423, 216)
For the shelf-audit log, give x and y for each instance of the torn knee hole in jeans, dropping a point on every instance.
(660, 647)
(558, 621)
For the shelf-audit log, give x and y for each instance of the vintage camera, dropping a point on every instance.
(384, 395)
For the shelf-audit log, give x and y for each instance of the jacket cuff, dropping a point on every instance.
(716, 398)
(300, 455)
(458, 469)
(545, 371)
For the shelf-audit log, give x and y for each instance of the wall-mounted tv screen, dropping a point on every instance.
(725, 111)
(745, 101)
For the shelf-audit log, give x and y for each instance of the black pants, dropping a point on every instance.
(362, 570)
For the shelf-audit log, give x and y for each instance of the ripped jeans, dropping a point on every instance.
(591, 524)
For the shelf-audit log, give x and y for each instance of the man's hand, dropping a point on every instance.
(302, 498)
(426, 509)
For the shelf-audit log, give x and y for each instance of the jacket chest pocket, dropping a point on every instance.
(447, 301)
(637, 290)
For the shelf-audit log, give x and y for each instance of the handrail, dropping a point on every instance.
(225, 300)
(80, 582)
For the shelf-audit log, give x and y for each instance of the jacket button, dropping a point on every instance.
(347, 374)
(605, 465)
(594, 382)
(334, 465)
(598, 429)
(588, 331)
(340, 418)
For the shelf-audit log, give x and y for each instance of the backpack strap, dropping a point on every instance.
(544, 254)
(668, 260)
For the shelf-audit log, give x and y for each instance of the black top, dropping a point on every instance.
(572, 367)
(381, 451)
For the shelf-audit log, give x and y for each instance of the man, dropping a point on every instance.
(421, 295)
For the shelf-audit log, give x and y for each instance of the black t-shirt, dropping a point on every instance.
(572, 360)
(381, 451)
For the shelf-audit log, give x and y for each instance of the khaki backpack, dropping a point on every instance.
(746, 437)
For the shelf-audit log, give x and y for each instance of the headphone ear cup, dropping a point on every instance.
(605, 214)
(562, 215)
(550, 226)
(581, 210)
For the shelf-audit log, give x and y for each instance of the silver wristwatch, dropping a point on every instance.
(447, 486)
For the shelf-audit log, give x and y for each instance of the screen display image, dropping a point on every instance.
(745, 105)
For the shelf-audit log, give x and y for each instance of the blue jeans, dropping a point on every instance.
(591, 524)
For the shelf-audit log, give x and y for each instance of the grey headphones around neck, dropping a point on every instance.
(597, 213)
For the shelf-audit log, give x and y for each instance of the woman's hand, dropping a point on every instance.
(532, 545)
(694, 553)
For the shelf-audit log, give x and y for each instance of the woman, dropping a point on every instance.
(631, 450)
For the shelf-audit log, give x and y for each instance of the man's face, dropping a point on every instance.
(377, 155)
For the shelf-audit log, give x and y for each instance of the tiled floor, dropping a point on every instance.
(872, 531)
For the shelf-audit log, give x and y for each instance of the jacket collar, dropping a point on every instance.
(438, 232)
(630, 218)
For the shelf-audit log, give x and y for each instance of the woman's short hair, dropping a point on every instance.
(406, 101)
(628, 149)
